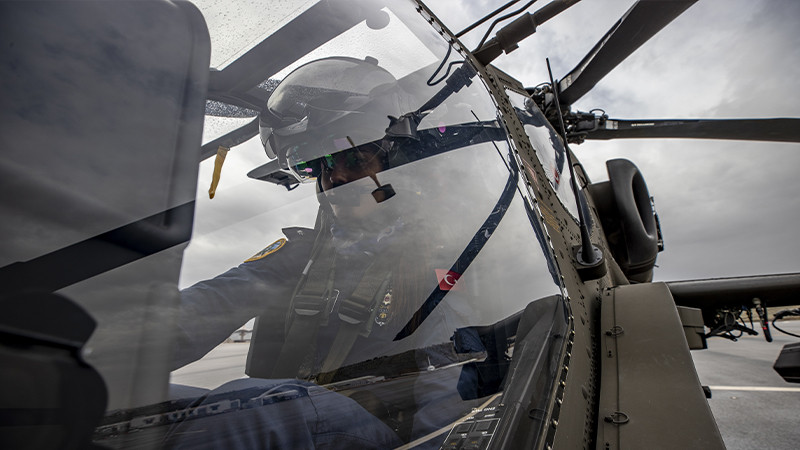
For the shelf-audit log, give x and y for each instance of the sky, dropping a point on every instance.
(727, 208)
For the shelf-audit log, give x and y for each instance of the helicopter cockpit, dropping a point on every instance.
(436, 198)
(342, 281)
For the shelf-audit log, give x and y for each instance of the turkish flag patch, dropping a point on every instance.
(448, 280)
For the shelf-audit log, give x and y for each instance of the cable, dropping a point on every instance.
(447, 73)
(489, 16)
(507, 16)
(781, 315)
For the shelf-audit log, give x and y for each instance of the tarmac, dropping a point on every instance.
(754, 407)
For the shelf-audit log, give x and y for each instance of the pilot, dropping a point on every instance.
(330, 299)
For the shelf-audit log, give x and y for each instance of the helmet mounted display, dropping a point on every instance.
(329, 111)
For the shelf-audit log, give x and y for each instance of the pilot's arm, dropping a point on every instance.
(211, 310)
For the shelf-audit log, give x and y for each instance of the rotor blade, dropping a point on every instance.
(640, 23)
(269, 56)
(779, 130)
(231, 139)
(222, 109)
(240, 104)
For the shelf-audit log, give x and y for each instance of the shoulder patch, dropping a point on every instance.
(270, 249)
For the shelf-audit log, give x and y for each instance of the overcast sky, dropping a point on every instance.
(727, 208)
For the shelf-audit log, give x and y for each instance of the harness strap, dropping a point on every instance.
(357, 314)
(302, 336)
(307, 310)
(314, 300)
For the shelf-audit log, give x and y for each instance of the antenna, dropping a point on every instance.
(589, 258)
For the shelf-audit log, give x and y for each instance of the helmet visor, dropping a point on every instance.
(336, 152)
(327, 106)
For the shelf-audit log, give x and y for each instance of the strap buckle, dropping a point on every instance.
(354, 312)
(307, 305)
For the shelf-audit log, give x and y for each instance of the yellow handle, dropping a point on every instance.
(218, 161)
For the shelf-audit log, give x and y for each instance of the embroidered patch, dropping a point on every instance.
(448, 280)
(271, 248)
(384, 313)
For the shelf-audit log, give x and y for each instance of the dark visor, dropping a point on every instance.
(354, 157)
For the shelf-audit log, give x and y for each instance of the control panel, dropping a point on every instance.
(476, 431)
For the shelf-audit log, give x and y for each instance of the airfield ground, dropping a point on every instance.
(753, 405)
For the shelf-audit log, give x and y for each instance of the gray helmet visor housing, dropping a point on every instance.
(325, 107)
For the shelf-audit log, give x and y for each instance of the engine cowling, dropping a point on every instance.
(629, 221)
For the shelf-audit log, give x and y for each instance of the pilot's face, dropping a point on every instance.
(348, 166)
(347, 178)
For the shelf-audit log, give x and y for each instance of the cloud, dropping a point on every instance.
(726, 207)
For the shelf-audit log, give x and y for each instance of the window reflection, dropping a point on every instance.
(549, 149)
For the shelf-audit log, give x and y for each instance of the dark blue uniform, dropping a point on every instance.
(263, 286)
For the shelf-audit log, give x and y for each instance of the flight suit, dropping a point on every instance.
(264, 286)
